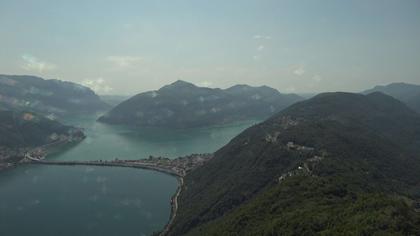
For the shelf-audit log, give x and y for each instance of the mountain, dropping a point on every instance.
(53, 98)
(407, 93)
(338, 163)
(183, 104)
(28, 129)
(22, 131)
(113, 100)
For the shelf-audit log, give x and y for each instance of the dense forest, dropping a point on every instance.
(338, 162)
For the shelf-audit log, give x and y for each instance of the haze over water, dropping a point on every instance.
(80, 200)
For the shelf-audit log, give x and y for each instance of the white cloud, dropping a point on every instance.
(299, 71)
(98, 85)
(260, 47)
(124, 61)
(317, 78)
(291, 89)
(258, 36)
(205, 84)
(34, 64)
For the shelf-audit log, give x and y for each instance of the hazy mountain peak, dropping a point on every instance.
(182, 104)
(397, 84)
(240, 87)
(336, 94)
(180, 84)
(31, 93)
(347, 104)
(405, 92)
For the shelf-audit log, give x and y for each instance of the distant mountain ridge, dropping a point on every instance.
(407, 93)
(113, 100)
(47, 97)
(338, 163)
(182, 104)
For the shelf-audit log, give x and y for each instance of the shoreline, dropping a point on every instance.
(178, 167)
(175, 167)
(103, 163)
(173, 200)
(174, 207)
(41, 151)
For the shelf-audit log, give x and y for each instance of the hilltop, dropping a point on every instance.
(407, 93)
(182, 104)
(53, 98)
(336, 163)
(23, 131)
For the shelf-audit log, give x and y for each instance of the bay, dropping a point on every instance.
(79, 200)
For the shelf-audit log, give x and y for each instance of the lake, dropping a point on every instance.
(83, 200)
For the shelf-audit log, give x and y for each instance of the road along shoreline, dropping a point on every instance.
(178, 168)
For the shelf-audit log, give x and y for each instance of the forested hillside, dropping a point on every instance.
(336, 163)
(182, 105)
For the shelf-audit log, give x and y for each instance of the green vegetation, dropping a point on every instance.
(22, 131)
(182, 104)
(317, 205)
(25, 129)
(355, 172)
(48, 97)
(407, 93)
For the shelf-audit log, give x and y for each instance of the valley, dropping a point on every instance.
(110, 199)
(209, 118)
(350, 150)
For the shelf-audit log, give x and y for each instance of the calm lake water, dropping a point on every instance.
(79, 200)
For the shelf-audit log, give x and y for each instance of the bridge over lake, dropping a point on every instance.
(167, 169)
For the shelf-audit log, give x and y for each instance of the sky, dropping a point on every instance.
(126, 47)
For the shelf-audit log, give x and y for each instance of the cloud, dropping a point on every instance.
(205, 84)
(260, 47)
(299, 71)
(98, 85)
(264, 37)
(257, 55)
(32, 63)
(317, 78)
(291, 89)
(124, 61)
